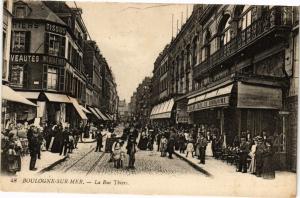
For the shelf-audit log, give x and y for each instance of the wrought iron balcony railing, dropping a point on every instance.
(247, 37)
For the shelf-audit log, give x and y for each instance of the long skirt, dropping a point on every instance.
(252, 166)
(268, 171)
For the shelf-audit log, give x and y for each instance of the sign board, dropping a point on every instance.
(37, 58)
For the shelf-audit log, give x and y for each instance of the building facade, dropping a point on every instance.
(54, 65)
(235, 68)
(123, 111)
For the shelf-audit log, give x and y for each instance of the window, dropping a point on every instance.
(52, 80)
(16, 75)
(19, 42)
(20, 12)
(246, 18)
(55, 45)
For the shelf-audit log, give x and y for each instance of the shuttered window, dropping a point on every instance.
(55, 44)
(61, 79)
(21, 41)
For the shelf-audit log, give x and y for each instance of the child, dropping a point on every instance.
(163, 146)
(116, 149)
(190, 149)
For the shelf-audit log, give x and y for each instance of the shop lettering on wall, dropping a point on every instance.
(24, 58)
(55, 29)
(216, 102)
(37, 58)
(25, 25)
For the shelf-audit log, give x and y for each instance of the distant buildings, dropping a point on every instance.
(140, 104)
(53, 64)
(123, 110)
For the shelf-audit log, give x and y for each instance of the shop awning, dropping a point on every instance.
(95, 113)
(78, 109)
(11, 95)
(103, 117)
(216, 98)
(84, 109)
(162, 110)
(54, 97)
(258, 97)
(247, 96)
(29, 95)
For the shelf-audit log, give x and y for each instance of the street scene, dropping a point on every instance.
(143, 95)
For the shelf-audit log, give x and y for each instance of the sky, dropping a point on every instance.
(131, 36)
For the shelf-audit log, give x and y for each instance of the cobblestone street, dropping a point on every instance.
(85, 160)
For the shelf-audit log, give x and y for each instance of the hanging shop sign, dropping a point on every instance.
(37, 58)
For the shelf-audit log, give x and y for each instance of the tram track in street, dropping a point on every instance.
(95, 164)
(80, 159)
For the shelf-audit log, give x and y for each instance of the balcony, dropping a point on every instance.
(247, 38)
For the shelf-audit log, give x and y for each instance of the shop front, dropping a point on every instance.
(16, 108)
(242, 109)
(55, 107)
(162, 113)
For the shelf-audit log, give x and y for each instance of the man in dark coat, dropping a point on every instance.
(259, 154)
(131, 146)
(170, 146)
(202, 148)
(34, 146)
(243, 154)
(65, 142)
(98, 137)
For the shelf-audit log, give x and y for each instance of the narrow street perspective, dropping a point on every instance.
(140, 98)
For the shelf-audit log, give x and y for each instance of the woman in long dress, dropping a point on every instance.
(252, 167)
(268, 171)
(163, 146)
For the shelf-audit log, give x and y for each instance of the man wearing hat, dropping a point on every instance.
(243, 154)
(34, 148)
(131, 146)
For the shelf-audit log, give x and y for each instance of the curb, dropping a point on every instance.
(195, 166)
(51, 166)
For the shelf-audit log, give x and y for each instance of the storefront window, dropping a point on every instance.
(52, 81)
(18, 41)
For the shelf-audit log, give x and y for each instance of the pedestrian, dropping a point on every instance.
(260, 149)
(65, 142)
(11, 151)
(76, 135)
(116, 150)
(243, 154)
(202, 148)
(268, 171)
(34, 146)
(170, 146)
(98, 137)
(163, 146)
(131, 146)
(182, 142)
(252, 153)
(190, 148)
(158, 139)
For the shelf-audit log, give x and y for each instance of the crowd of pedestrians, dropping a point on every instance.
(22, 140)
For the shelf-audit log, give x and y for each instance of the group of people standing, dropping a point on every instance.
(260, 151)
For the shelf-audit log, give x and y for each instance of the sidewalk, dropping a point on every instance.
(47, 161)
(219, 169)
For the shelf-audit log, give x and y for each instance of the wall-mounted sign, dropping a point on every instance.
(55, 28)
(37, 58)
(24, 25)
(216, 102)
